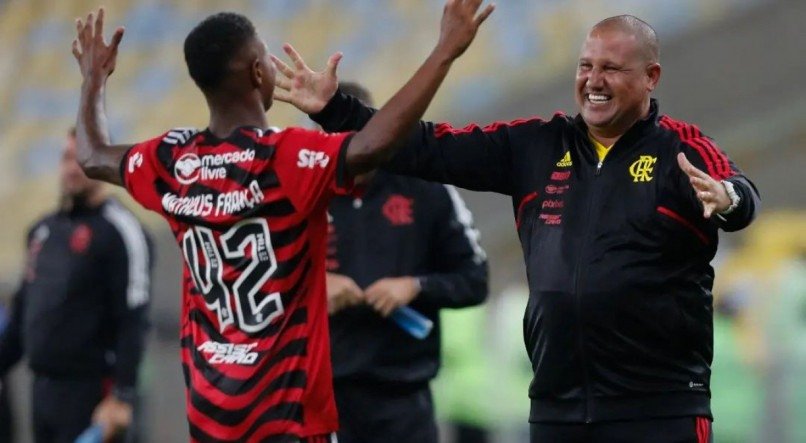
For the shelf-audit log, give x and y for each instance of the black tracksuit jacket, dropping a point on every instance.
(619, 319)
(80, 312)
(400, 226)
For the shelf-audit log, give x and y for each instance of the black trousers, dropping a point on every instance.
(63, 408)
(383, 413)
(660, 430)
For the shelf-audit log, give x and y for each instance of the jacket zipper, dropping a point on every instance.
(577, 294)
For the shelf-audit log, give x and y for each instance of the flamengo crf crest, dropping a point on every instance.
(641, 169)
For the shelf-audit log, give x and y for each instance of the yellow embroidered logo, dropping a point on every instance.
(642, 168)
(565, 161)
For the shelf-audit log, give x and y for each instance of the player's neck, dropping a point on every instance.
(229, 115)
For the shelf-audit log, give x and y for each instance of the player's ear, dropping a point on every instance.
(256, 74)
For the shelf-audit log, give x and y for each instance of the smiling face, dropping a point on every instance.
(614, 80)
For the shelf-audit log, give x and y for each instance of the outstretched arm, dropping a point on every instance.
(98, 158)
(385, 132)
(473, 157)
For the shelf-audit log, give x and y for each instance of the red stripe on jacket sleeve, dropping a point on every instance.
(683, 221)
(716, 162)
(443, 129)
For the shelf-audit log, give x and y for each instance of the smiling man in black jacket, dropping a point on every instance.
(401, 242)
(618, 211)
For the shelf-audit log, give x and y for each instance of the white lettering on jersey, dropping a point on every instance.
(190, 167)
(179, 135)
(232, 202)
(310, 159)
(228, 353)
(196, 206)
(135, 161)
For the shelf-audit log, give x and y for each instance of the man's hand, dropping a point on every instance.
(342, 292)
(712, 194)
(459, 25)
(388, 294)
(307, 90)
(113, 415)
(95, 57)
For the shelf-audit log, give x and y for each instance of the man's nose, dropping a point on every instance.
(595, 78)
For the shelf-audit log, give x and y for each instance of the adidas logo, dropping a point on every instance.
(565, 161)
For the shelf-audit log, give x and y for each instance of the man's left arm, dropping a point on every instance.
(130, 289)
(460, 276)
(713, 182)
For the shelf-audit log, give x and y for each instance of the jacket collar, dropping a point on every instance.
(638, 130)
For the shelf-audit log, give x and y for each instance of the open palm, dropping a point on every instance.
(95, 57)
(308, 90)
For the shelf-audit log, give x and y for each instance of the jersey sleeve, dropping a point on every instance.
(311, 167)
(142, 174)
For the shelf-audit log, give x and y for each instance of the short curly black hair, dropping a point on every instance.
(212, 44)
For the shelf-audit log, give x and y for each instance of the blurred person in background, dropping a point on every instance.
(400, 241)
(247, 205)
(618, 211)
(80, 313)
(6, 415)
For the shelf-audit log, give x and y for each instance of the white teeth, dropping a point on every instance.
(598, 98)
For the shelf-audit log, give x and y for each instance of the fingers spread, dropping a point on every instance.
(89, 26)
(484, 14)
(699, 184)
(76, 51)
(282, 83)
(282, 95)
(283, 67)
(295, 57)
(99, 25)
(333, 63)
(116, 38)
(688, 168)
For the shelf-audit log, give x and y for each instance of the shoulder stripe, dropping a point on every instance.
(716, 161)
(443, 129)
(465, 217)
(137, 290)
(179, 135)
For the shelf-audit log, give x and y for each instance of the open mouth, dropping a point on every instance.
(598, 99)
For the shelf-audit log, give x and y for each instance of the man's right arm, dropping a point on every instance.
(473, 157)
(378, 141)
(384, 135)
(11, 337)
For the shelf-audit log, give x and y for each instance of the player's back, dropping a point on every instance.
(248, 213)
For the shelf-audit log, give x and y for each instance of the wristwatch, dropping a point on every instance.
(734, 197)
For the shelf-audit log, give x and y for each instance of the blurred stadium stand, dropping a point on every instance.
(733, 66)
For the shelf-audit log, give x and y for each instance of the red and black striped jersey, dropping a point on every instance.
(249, 214)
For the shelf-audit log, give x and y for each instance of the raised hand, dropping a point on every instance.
(712, 194)
(460, 22)
(95, 57)
(308, 90)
